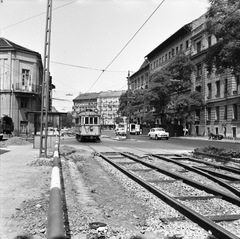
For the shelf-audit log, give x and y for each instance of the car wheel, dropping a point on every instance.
(156, 137)
(167, 138)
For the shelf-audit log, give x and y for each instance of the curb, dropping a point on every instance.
(55, 224)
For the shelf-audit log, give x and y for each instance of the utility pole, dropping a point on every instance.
(128, 108)
(45, 82)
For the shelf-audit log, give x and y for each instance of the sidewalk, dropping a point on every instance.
(18, 182)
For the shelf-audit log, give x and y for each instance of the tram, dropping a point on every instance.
(87, 125)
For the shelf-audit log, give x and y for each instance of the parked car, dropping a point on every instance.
(158, 133)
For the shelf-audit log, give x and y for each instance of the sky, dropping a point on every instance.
(94, 43)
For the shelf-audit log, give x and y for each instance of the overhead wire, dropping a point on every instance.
(90, 68)
(37, 15)
(126, 45)
(83, 67)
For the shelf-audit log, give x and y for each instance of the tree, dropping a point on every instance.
(67, 120)
(137, 103)
(223, 21)
(160, 91)
(175, 78)
(182, 106)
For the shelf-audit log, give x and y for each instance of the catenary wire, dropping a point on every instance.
(126, 45)
(40, 14)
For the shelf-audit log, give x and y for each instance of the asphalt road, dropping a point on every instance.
(144, 143)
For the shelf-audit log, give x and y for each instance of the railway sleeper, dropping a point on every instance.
(221, 218)
(126, 163)
(193, 198)
(165, 181)
(141, 170)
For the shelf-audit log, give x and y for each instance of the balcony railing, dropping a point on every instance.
(27, 88)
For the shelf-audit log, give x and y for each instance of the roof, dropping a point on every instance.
(87, 96)
(186, 29)
(110, 94)
(144, 67)
(6, 45)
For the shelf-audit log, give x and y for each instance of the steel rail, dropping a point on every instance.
(218, 174)
(202, 172)
(225, 196)
(202, 221)
(227, 168)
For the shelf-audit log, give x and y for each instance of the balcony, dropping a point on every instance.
(18, 87)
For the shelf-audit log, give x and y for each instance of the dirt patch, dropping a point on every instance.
(105, 200)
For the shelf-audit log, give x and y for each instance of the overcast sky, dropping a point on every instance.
(89, 36)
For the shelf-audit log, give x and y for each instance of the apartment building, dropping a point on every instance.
(140, 79)
(159, 57)
(106, 102)
(220, 91)
(20, 83)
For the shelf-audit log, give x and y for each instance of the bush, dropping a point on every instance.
(218, 152)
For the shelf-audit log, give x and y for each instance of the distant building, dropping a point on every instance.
(106, 102)
(21, 74)
(85, 101)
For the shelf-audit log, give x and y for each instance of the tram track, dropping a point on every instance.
(127, 164)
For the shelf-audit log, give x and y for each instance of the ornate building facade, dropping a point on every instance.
(20, 83)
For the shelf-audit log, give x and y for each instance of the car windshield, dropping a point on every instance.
(159, 129)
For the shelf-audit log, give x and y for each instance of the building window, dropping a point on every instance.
(169, 55)
(218, 88)
(199, 71)
(234, 132)
(177, 50)
(225, 112)
(209, 87)
(209, 41)
(187, 44)
(217, 113)
(225, 86)
(166, 57)
(197, 115)
(173, 52)
(235, 112)
(198, 88)
(209, 114)
(199, 46)
(181, 47)
(23, 104)
(216, 130)
(25, 76)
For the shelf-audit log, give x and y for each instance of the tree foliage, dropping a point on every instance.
(223, 21)
(175, 79)
(182, 106)
(67, 120)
